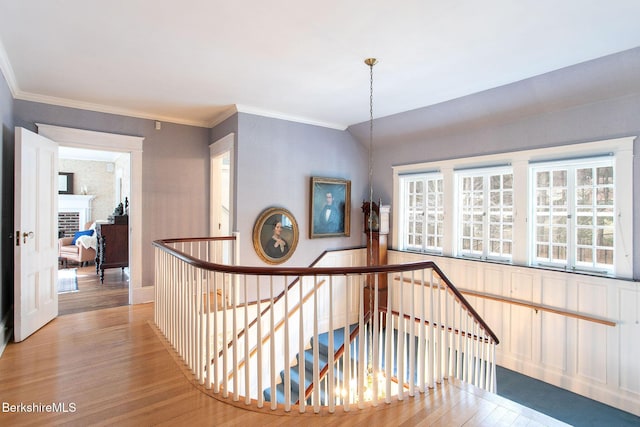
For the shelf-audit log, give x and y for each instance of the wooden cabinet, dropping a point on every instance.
(113, 247)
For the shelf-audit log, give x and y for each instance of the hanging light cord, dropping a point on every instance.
(371, 62)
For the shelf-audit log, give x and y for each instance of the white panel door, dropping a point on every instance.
(36, 228)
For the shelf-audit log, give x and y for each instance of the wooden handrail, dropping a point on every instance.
(442, 327)
(531, 305)
(463, 301)
(318, 271)
(287, 271)
(541, 307)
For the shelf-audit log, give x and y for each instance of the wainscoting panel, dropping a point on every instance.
(629, 370)
(553, 334)
(492, 311)
(521, 318)
(521, 286)
(592, 352)
(553, 340)
(520, 341)
(493, 281)
(592, 337)
(589, 358)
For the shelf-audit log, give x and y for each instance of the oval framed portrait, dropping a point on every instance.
(275, 235)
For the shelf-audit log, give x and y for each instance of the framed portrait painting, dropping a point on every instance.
(275, 235)
(330, 207)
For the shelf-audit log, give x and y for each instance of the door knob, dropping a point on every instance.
(26, 236)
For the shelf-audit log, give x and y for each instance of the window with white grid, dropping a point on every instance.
(574, 214)
(422, 212)
(553, 207)
(485, 216)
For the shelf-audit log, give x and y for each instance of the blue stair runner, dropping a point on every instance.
(323, 346)
(323, 356)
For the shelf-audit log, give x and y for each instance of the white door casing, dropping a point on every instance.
(81, 138)
(36, 238)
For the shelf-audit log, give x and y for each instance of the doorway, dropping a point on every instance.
(98, 181)
(100, 141)
(221, 184)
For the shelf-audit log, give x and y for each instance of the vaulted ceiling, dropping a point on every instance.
(198, 61)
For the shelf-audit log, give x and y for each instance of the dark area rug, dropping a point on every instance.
(560, 404)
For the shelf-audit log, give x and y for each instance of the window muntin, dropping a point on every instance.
(485, 219)
(574, 215)
(613, 232)
(422, 212)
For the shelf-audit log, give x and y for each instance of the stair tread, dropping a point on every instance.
(323, 358)
(338, 338)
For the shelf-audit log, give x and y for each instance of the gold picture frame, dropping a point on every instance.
(329, 207)
(275, 235)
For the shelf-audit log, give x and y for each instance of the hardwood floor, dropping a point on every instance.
(93, 295)
(116, 369)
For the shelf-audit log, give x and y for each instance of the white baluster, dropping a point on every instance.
(412, 337)
(422, 334)
(375, 349)
(331, 375)
(301, 343)
(272, 347)
(259, 345)
(287, 370)
(347, 346)
(316, 356)
(247, 362)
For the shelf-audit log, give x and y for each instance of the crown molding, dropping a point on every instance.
(70, 103)
(276, 115)
(9, 76)
(223, 115)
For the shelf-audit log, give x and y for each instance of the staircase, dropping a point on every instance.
(323, 360)
(429, 332)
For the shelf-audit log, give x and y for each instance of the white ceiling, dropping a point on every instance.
(198, 61)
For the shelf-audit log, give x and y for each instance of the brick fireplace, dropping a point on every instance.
(68, 223)
(74, 211)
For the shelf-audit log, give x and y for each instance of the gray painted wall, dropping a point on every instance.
(595, 100)
(6, 202)
(275, 162)
(175, 170)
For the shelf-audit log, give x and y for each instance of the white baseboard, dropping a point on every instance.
(5, 330)
(143, 295)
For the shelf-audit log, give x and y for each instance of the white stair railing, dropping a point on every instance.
(413, 328)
